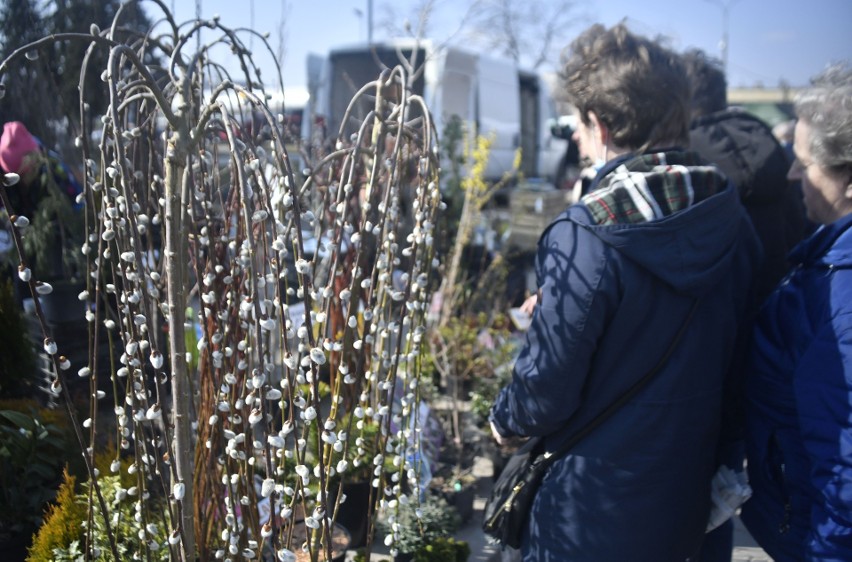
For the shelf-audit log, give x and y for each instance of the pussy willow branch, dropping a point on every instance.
(57, 361)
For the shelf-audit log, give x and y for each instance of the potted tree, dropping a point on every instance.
(351, 494)
(295, 278)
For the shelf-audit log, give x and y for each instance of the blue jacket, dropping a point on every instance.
(799, 417)
(611, 300)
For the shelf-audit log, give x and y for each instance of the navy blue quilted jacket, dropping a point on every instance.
(611, 300)
(799, 416)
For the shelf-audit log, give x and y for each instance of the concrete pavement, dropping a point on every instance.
(745, 548)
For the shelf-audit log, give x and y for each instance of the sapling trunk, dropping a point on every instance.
(176, 266)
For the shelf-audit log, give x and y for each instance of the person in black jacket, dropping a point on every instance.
(747, 152)
(745, 149)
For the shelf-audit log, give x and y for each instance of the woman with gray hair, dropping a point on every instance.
(799, 368)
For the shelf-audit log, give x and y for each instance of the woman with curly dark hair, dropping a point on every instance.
(660, 236)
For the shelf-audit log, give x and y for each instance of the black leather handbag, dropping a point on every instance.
(512, 495)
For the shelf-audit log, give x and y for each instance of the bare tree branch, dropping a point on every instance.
(529, 33)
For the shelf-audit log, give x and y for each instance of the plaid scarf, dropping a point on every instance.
(652, 186)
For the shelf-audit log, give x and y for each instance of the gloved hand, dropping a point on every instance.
(728, 491)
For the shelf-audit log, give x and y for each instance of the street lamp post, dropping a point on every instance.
(369, 22)
(360, 14)
(726, 6)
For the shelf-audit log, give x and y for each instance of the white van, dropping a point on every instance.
(492, 96)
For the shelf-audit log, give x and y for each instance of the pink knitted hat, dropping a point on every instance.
(15, 144)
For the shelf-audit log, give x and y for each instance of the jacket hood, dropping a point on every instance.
(690, 250)
(743, 147)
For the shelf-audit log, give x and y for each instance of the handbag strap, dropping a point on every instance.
(624, 398)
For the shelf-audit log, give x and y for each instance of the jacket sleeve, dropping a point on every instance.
(548, 378)
(823, 384)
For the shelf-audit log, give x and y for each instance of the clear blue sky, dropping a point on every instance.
(768, 39)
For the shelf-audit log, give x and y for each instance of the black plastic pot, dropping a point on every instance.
(339, 556)
(462, 500)
(14, 548)
(352, 513)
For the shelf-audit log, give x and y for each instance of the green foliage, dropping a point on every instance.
(58, 421)
(452, 147)
(461, 338)
(125, 527)
(437, 520)
(322, 388)
(77, 16)
(63, 523)
(476, 192)
(29, 96)
(103, 464)
(486, 388)
(17, 369)
(360, 450)
(501, 354)
(53, 418)
(450, 479)
(60, 538)
(443, 549)
(476, 348)
(32, 455)
(53, 239)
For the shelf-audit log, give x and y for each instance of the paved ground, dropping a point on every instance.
(747, 554)
(745, 549)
